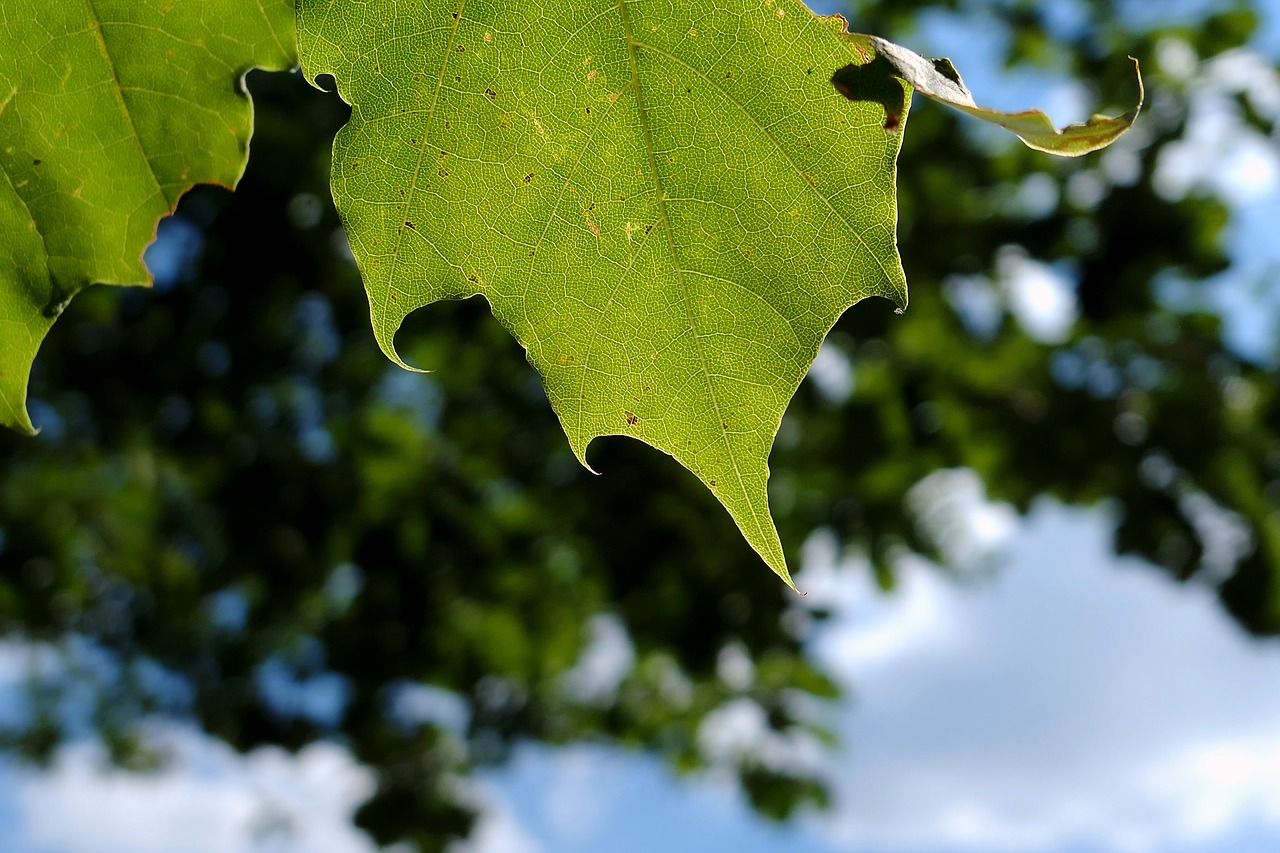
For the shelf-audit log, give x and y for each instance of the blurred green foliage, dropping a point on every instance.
(233, 481)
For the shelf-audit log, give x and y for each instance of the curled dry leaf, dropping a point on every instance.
(939, 80)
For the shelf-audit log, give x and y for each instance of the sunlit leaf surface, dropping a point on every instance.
(667, 203)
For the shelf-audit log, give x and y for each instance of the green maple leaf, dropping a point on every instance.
(667, 202)
(109, 111)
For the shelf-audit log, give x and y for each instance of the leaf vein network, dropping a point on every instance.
(284, 49)
(782, 151)
(422, 149)
(96, 28)
(633, 46)
(555, 211)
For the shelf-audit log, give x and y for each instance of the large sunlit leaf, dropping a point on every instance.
(666, 202)
(109, 111)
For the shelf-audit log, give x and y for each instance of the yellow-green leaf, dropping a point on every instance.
(665, 202)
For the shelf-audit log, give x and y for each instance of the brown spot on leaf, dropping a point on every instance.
(411, 225)
(492, 95)
(877, 82)
(632, 419)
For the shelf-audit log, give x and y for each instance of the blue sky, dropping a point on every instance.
(1054, 699)
(1071, 702)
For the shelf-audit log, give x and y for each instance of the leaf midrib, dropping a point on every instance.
(633, 47)
(95, 25)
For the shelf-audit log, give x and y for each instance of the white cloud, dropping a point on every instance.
(1040, 297)
(1093, 701)
(951, 507)
(832, 373)
(576, 804)
(738, 732)
(1225, 536)
(865, 633)
(208, 799)
(417, 703)
(734, 666)
(604, 663)
(1220, 152)
(499, 829)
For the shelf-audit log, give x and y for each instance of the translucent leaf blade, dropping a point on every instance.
(666, 203)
